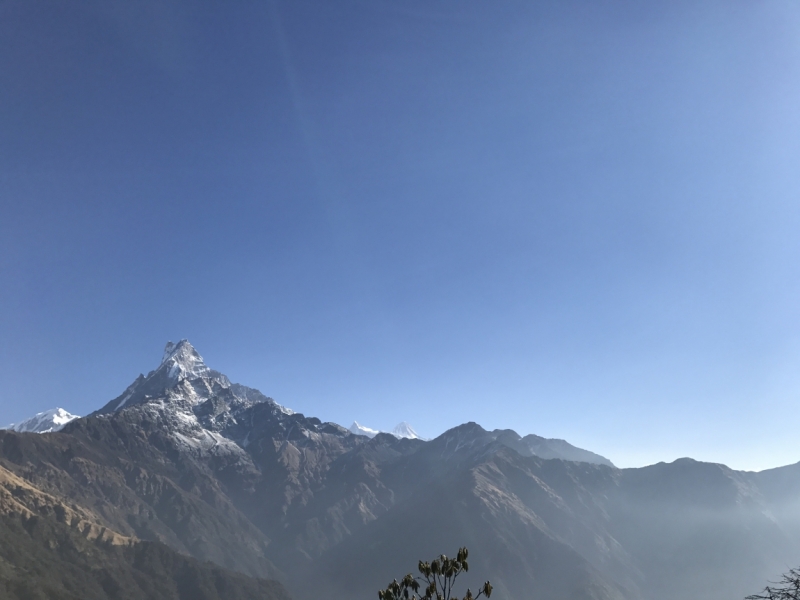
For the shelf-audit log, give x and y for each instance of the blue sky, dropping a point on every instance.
(575, 219)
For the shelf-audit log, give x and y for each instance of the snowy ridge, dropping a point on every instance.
(401, 430)
(359, 429)
(44, 422)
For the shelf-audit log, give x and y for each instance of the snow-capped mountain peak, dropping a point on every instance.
(44, 422)
(181, 373)
(359, 429)
(202, 411)
(404, 430)
(182, 361)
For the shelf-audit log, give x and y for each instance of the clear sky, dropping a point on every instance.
(574, 219)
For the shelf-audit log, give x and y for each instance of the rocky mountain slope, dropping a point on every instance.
(41, 558)
(222, 473)
(53, 549)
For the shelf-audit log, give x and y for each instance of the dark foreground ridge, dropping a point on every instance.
(217, 471)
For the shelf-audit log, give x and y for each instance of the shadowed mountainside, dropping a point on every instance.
(53, 549)
(41, 558)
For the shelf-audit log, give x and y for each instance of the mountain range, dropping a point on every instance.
(186, 466)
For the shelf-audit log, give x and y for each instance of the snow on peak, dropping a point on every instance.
(171, 349)
(183, 361)
(404, 430)
(359, 429)
(44, 422)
